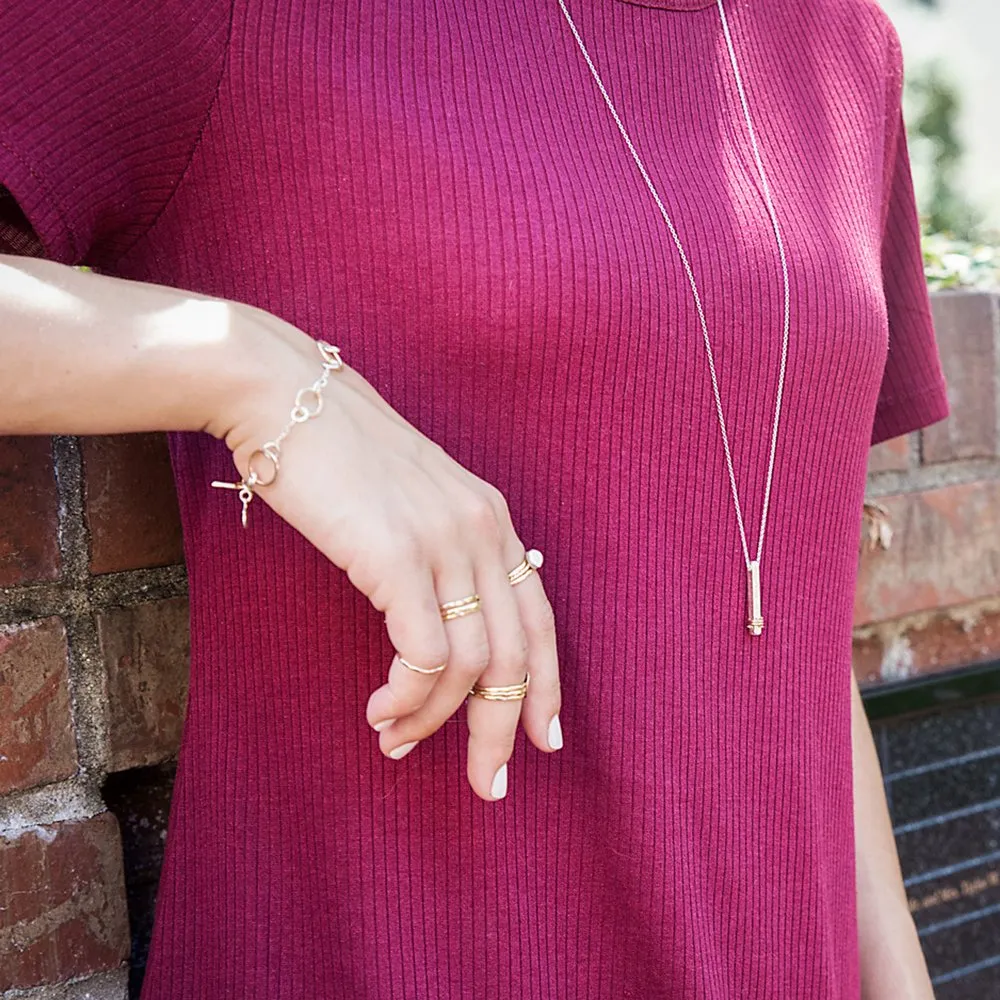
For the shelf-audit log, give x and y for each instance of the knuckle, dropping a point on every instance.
(429, 656)
(493, 741)
(544, 616)
(498, 502)
(478, 513)
(539, 617)
(418, 727)
(545, 688)
(438, 525)
(404, 551)
(384, 567)
(404, 703)
(513, 656)
(471, 662)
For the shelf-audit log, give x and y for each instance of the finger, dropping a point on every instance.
(540, 711)
(468, 656)
(493, 724)
(405, 690)
(416, 631)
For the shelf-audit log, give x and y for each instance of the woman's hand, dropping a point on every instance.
(412, 529)
(409, 525)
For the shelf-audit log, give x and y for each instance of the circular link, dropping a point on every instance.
(255, 478)
(301, 412)
(271, 450)
(331, 356)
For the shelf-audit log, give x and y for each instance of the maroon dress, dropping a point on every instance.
(437, 187)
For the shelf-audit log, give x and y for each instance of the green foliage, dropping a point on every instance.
(959, 263)
(934, 128)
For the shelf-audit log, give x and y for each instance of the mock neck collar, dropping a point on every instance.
(672, 4)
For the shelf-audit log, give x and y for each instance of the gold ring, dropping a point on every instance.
(421, 670)
(463, 606)
(508, 692)
(531, 562)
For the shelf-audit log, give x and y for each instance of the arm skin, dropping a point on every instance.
(892, 962)
(83, 353)
(88, 354)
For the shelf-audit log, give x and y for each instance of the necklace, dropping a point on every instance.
(755, 620)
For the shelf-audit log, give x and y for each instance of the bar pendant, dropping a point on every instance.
(755, 622)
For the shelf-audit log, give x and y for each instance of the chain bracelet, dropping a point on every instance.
(308, 404)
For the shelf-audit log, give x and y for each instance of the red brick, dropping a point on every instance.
(945, 551)
(146, 653)
(65, 912)
(931, 643)
(131, 503)
(890, 456)
(29, 511)
(966, 324)
(867, 659)
(36, 729)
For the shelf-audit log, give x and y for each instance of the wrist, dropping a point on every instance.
(891, 957)
(267, 362)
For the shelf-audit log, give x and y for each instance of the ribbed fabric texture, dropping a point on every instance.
(437, 187)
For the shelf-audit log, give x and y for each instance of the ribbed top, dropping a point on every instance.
(437, 187)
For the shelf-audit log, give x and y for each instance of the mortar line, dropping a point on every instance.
(89, 708)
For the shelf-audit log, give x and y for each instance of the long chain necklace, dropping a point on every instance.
(755, 620)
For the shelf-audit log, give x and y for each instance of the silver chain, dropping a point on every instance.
(690, 274)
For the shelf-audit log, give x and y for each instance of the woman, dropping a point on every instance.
(439, 189)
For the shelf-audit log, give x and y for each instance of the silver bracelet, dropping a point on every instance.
(308, 404)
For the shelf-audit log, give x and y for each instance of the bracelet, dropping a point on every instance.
(308, 404)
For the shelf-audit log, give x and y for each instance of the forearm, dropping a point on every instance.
(892, 963)
(89, 354)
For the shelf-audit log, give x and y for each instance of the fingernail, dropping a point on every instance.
(499, 787)
(402, 750)
(384, 724)
(555, 734)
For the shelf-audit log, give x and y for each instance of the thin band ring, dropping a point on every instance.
(463, 606)
(531, 563)
(421, 670)
(506, 692)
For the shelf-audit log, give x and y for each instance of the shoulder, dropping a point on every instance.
(117, 32)
(863, 25)
(855, 39)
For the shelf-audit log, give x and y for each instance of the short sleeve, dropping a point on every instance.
(101, 105)
(913, 391)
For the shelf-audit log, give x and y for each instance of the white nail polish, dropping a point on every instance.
(384, 724)
(555, 733)
(499, 787)
(402, 750)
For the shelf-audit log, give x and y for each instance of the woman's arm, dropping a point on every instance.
(892, 962)
(87, 354)
(84, 353)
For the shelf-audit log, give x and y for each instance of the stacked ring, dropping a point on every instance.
(531, 562)
(463, 606)
(509, 692)
(421, 670)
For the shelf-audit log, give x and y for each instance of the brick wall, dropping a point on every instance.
(93, 684)
(931, 601)
(93, 652)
